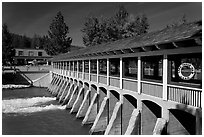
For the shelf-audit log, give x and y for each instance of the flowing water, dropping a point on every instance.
(34, 111)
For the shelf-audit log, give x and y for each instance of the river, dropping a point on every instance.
(34, 111)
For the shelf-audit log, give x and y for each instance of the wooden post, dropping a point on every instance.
(97, 70)
(73, 70)
(77, 69)
(56, 66)
(83, 69)
(89, 70)
(121, 78)
(60, 67)
(69, 68)
(121, 73)
(63, 68)
(107, 71)
(165, 76)
(66, 68)
(53, 66)
(139, 75)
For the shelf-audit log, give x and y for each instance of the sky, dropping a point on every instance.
(29, 18)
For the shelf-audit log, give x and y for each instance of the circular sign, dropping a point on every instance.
(186, 71)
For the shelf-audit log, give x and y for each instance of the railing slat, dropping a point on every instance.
(186, 96)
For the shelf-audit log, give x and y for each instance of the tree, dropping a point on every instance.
(36, 42)
(8, 51)
(182, 20)
(47, 45)
(26, 42)
(59, 41)
(121, 25)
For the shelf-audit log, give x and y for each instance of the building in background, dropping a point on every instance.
(31, 56)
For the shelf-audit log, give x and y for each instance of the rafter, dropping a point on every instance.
(157, 46)
(175, 44)
(132, 50)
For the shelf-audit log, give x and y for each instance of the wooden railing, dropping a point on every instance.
(71, 73)
(74, 74)
(152, 88)
(86, 76)
(130, 84)
(102, 79)
(94, 77)
(180, 94)
(114, 81)
(185, 95)
(80, 75)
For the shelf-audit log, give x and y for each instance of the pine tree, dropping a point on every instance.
(36, 42)
(59, 41)
(8, 51)
(121, 25)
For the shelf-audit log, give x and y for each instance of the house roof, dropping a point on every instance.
(167, 35)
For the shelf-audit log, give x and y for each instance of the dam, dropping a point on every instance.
(146, 85)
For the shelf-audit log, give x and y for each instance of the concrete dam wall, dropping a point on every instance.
(110, 111)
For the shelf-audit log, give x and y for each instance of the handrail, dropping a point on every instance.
(135, 80)
(114, 77)
(93, 74)
(102, 75)
(190, 88)
(153, 83)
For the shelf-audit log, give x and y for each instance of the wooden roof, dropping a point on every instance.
(137, 43)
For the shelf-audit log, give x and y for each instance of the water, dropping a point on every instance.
(34, 111)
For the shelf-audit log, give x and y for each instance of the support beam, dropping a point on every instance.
(62, 67)
(66, 67)
(77, 69)
(73, 97)
(108, 71)
(77, 102)
(174, 44)
(100, 122)
(133, 123)
(73, 70)
(89, 70)
(91, 113)
(157, 46)
(139, 75)
(56, 85)
(84, 105)
(159, 126)
(114, 126)
(61, 89)
(69, 68)
(165, 76)
(121, 73)
(82, 69)
(97, 70)
(143, 48)
(67, 97)
(132, 50)
(64, 92)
